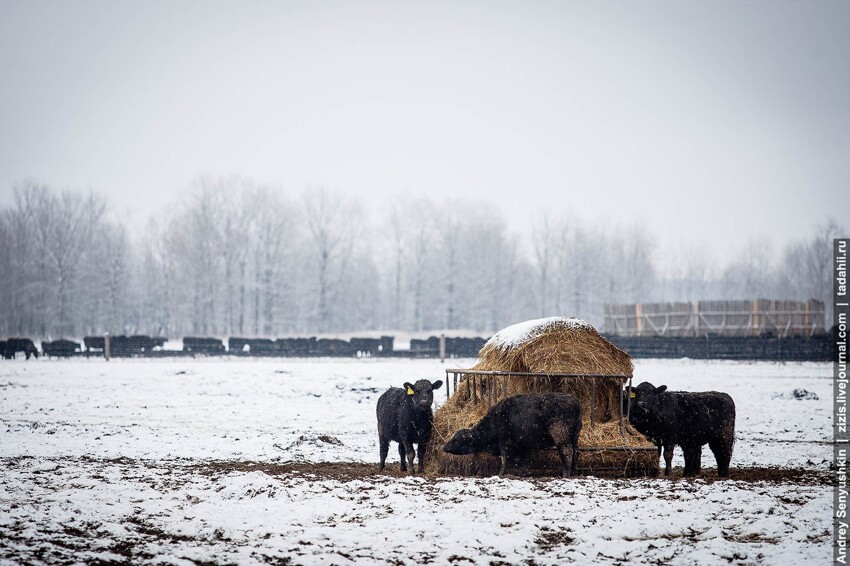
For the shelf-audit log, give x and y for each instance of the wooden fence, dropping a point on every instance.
(723, 318)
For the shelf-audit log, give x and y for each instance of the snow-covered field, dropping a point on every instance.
(273, 461)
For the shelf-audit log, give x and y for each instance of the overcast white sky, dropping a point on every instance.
(713, 122)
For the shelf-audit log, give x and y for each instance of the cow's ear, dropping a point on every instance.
(437, 384)
(408, 388)
(661, 389)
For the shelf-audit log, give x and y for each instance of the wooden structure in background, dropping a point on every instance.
(723, 318)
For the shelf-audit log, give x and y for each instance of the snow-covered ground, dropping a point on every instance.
(219, 460)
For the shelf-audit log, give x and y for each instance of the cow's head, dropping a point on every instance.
(644, 399)
(463, 442)
(422, 392)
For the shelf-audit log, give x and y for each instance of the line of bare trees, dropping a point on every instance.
(234, 257)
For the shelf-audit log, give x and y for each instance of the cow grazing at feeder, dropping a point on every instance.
(521, 423)
(404, 416)
(688, 419)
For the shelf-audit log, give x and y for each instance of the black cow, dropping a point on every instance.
(521, 423)
(404, 416)
(199, 345)
(60, 348)
(93, 343)
(15, 345)
(690, 420)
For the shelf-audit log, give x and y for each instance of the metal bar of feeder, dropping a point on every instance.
(534, 384)
(455, 380)
(592, 399)
(616, 449)
(629, 401)
(620, 404)
(489, 393)
(505, 374)
(533, 374)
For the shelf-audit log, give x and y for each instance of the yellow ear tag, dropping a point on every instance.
(410, 391)
(632, 395)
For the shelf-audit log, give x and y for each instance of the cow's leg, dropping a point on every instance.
(691, 459)
(401, 456)
(505, 455)
(688, 459)
(668, 458)
(411, 455)
(722, 451)
(519, 457)
(565, 439)
(420, 454)
(658, 471)
(567, 454)
(384, 448)
(697, 459)
(574, 462)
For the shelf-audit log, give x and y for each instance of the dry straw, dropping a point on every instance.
(554, 345)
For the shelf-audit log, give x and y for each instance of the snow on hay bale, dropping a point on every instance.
(554, 345)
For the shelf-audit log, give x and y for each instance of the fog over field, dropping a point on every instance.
(270, 167)
(234, 258)
(263, 168)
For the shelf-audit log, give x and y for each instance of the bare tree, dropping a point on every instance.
(238, 258)
(398, 232)
(748, 276)
(423, 244)
(276, 228)
(544, 242)
(450, 235)
(638, 268)
(114, 262)
(334, 224)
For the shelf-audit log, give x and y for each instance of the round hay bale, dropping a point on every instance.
(549, 345)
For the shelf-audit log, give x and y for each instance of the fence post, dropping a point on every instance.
(442, 348)
(696, 318)
(639, 318)
(106, 346)
(755, 319)
(593, 400)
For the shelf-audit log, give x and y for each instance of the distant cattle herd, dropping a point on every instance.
(142, 346)
(815, 348)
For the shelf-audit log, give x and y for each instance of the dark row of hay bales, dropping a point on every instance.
(455, 347)
(553, 345)
(141, 345)
(306, 347)
(121, 345)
